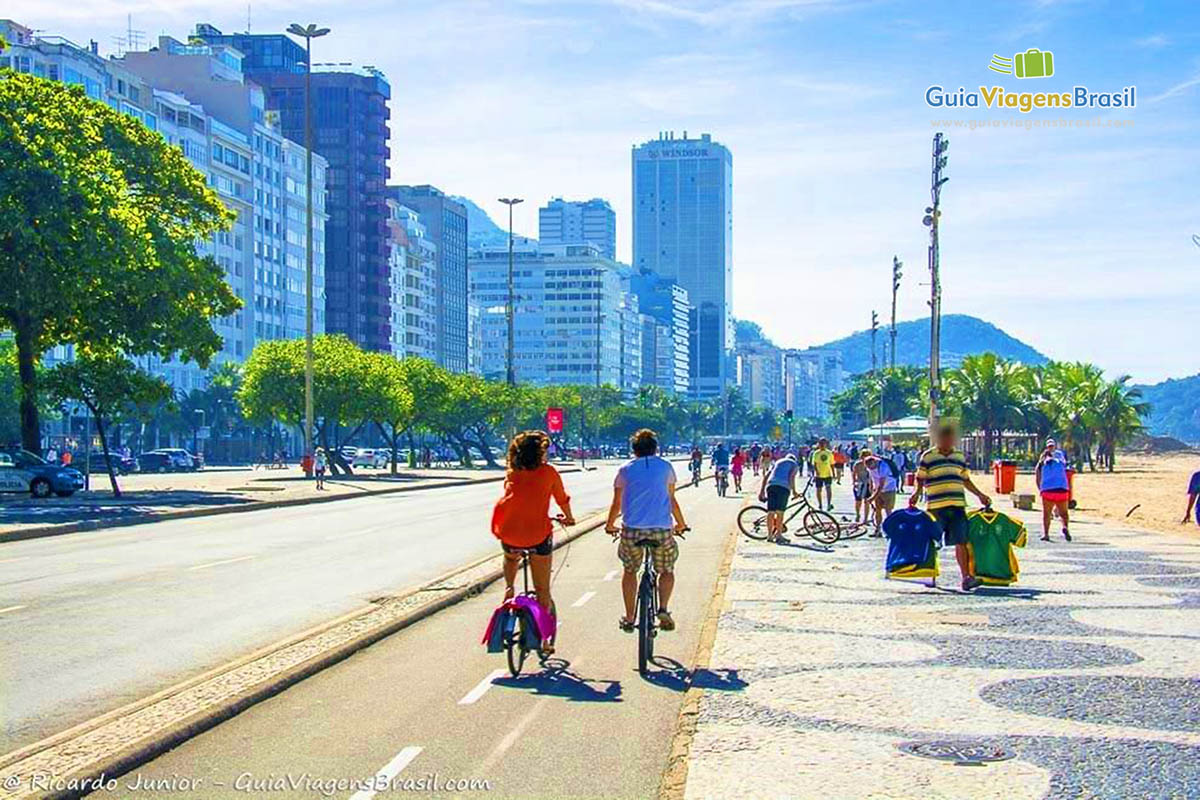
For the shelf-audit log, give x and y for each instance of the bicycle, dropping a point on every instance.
(647, 602)
(721, 478)
(695, 468)
(517, 635)
(820, 525)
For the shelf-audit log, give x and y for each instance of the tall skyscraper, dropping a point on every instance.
(683, 230)
(350, 129)
(666, 353)
(575, 221)
(445, 224)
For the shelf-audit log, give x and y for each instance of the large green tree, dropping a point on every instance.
(107, 383)
(99, 221)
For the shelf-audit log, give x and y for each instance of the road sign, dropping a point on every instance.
(554, 420)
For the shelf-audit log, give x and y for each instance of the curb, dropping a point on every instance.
(114, 743)
(673, 784)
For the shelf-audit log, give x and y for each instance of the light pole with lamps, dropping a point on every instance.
(308, 33)
(511, 375)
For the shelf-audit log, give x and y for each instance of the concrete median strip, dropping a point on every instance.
(120, 740)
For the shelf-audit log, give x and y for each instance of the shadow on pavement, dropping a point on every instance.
(132, 504)
(557, 680)
(674, 676)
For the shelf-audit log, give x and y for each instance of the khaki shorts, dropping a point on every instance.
(664, 555)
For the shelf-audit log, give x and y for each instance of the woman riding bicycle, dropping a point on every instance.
(521, 519)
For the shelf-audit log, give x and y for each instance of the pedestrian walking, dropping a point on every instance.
(1054, 487)
(860, 477)
(1193, 496)
(319, 467)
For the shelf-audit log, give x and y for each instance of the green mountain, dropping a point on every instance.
(962, 335)
(481, 230)
(1175, 408)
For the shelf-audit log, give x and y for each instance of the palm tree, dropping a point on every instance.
(985, 392)
(1071, 388)
(1118, 410)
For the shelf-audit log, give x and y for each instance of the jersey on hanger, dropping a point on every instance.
(991, 537)
(912, 544)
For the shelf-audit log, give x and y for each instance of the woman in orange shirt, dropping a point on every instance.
(521, 519)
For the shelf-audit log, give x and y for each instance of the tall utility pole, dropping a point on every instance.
(932, 216)
(308, 33)
(896, 273)
(874, 333)
(511, 370)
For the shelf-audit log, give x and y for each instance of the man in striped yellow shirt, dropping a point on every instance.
(944, 478)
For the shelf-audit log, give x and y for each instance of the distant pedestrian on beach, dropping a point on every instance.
(1193, 497)
(1054, 487)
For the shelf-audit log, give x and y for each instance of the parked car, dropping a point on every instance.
(121, 464)
(155, 461)
(182, 459)
(363, 457)
(348, 452)
(22, 471)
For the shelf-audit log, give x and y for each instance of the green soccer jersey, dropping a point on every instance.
(991, 537)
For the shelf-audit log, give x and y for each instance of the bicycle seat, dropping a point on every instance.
(647, 543)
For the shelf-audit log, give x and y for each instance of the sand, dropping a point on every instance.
(1157, 485)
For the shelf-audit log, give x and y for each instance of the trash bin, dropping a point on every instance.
(1005, 474)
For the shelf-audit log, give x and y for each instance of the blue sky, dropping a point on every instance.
(1076, 240)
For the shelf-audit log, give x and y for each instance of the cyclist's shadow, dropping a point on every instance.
(676, 677)
(556, 679)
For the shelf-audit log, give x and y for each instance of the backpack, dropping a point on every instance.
(892, 468)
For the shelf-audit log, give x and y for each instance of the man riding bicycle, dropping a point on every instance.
(697, 463)
(644, 497)
(720, 463)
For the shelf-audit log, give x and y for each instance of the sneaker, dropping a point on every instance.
(665, 622)
(971, 583)
(1066, 534)
(1045, 537)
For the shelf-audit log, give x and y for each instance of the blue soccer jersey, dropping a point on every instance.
(912, 544)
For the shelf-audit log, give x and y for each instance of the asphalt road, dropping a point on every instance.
(91, 621)
(430, 703)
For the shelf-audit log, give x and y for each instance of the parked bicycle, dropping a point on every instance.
(820, 525)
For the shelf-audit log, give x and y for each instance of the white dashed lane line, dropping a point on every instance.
(388, 773)
(586, 596)
(219, 563)
(10, 608)
(481, 688)
(612, 574)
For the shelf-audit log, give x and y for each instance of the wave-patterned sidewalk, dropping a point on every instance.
(1082, 679)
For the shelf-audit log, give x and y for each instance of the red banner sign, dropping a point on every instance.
(554, 420)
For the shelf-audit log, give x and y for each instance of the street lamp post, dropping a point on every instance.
(511, 369)
(932, 215)
(896, 274)
(308, 33)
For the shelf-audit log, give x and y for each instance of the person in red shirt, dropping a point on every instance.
(521, 519)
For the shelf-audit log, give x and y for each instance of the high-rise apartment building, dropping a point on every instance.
(571, 318)
(445, 224)
(413, 276)
(683, 230)
(760, 375)
(666, 357)
(575, 221)
(810, 378)
(350, 130)
(197, 98)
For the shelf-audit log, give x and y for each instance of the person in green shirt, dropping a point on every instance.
(943, 476)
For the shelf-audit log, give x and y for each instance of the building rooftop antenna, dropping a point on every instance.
(132, 40)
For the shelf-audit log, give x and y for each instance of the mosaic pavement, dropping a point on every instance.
(1086, 673)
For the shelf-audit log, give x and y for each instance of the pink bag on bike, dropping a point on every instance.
(543, 626)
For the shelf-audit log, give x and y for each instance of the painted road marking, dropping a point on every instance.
(219, 563)
(515, 734)
(10, 560)
(586, 596)
(10, 608)
(389, 771)
(481, 687)
(614, 573)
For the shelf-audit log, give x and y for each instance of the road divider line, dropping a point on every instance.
(10, 560)
(219, 563)
(612, 574)
(388, 773)
(10, 608)
(481, 688)
(586, 596)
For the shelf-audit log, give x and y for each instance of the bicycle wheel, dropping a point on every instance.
(752, 520)
(645, 627)
(822, 526)
(516, 647)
